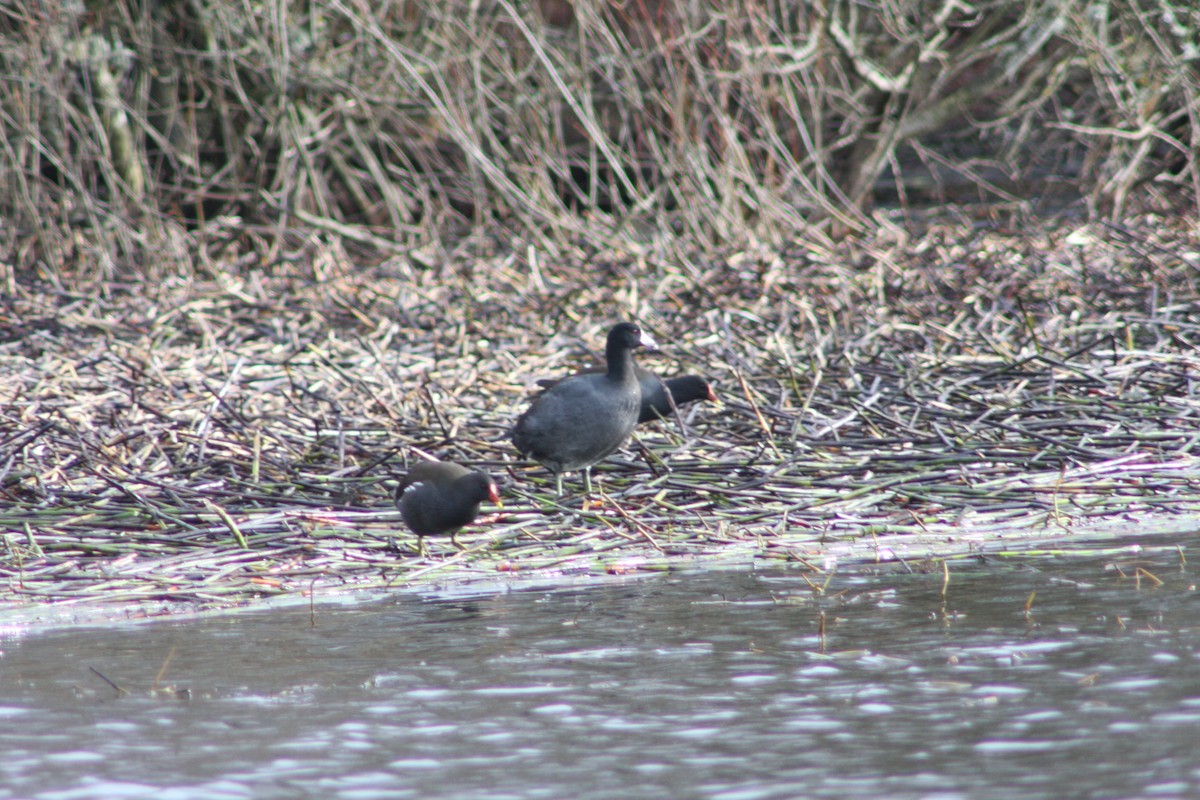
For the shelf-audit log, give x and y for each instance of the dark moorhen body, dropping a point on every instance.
(439, 497)
(656, 404)
(580, 420)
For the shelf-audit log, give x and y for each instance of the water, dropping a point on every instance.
(705, 684)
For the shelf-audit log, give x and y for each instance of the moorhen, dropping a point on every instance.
(439, 497)
(580, 420)
(655, 402)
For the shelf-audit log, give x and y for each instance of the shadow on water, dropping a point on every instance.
(1048, 676)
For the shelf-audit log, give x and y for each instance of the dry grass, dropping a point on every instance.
(207, 440)
(131, 139)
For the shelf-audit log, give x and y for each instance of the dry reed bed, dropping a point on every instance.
(209, 439)
(399, 125)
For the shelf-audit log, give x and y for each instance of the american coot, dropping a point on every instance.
(580, 420)
(655, 401)
(683, 389)
(438, 497)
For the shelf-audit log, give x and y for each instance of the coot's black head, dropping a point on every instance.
(627, 336)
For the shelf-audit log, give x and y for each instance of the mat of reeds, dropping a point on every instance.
(214, 438)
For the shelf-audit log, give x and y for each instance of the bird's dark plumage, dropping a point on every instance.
(439, 497)
(683, 389)
(580, 420)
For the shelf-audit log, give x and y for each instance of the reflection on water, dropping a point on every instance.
(707, 684)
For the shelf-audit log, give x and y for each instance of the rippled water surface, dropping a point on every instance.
(706, 684)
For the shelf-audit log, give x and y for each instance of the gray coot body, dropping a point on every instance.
(438, 498)
(683, 389)
(656, 403)
(580, 420)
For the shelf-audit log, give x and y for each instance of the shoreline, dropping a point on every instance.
(456, 579)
